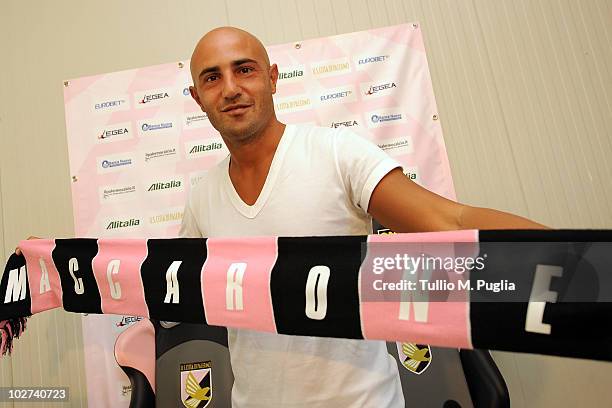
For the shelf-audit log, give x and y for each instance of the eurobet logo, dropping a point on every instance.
(343, 94)
(372, 59)
(335, 95)
(112, 105)
(109, 104)
(120, 224)
(378, 89)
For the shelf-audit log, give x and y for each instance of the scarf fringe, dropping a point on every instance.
(9, 330)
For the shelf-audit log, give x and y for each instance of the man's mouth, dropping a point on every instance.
(236, 108)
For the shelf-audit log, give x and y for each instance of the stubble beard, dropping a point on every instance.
(248, 135)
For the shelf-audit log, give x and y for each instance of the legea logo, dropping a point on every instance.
(113, 132)
(153, 97)
(346, 123)
(374, 89)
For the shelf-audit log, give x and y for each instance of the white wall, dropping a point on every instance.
(523, 87)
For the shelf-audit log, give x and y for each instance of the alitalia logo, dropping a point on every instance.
(123, 224)
(293, 74)
(164, 186)
(205, 147)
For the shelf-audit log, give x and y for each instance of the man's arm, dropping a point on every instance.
(403, 206)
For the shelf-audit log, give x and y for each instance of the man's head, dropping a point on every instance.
(233, 83)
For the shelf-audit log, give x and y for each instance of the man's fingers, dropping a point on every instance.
(18, 250)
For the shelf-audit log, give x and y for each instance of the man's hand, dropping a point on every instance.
(18, 250)
(402, 205)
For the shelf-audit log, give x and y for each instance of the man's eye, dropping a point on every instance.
(245, 70)
(211, 78)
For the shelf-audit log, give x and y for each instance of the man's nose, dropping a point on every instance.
(231, 88)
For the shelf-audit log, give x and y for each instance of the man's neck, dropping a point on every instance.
(258, 152)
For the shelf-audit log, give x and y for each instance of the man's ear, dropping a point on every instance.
(273, 76)
(196, 98)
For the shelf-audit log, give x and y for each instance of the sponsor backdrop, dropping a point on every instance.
(138, 143)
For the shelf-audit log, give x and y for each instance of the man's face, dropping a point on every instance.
(233, 84)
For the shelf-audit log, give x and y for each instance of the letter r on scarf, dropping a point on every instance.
(235, 274)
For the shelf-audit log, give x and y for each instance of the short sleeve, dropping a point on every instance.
(189, 226)
(362, 165)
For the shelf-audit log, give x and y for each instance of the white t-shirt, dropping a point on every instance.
(319, 183)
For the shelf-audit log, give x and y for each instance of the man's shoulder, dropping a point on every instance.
(317, 136)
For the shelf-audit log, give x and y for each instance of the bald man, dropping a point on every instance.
(292, 180)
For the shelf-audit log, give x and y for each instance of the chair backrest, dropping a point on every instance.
(434, 380)
(172, 355)
(193, 366)
(487, 386)
(135, 354)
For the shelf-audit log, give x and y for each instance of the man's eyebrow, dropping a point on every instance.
(235, 63)
(243, 61)
(207, 70)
